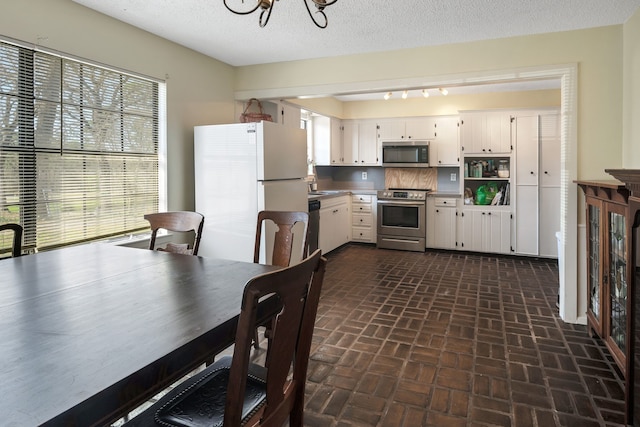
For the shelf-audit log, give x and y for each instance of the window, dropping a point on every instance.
(78, 148)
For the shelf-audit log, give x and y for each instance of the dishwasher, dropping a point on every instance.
(314, 224)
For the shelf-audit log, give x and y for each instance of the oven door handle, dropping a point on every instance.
(400, 202)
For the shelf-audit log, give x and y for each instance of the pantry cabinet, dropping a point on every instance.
(609, 264)
(335, 223)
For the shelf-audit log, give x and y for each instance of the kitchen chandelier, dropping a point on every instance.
(425, 93)
(267, 7)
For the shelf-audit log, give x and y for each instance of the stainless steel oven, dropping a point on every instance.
(402, 219)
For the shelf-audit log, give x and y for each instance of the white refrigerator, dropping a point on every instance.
(241, 169)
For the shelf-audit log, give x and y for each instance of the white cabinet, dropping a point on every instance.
(327, 141)
(485, 132)
(485, 229)
(549, 185)
(441, 222)
(335, 223)
(526, 195)
(445, 149)
(283, 113)
(363, 218)
(537, 196)
(359, 143)
(419, 128)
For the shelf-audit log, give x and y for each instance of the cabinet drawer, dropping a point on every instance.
(361, 198)
(362, 220)
(361, 208)
(445, 202)
(361, 234)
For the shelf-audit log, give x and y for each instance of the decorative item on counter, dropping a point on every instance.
(503, 168)
(468, 196)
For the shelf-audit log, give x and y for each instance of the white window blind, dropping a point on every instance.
(78, 149)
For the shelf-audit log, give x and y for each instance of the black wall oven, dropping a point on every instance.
(402, 219)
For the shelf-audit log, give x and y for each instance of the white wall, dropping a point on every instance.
(199, 89)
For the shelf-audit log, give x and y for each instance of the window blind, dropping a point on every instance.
(78, 149)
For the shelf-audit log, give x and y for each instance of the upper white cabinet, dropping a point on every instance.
(282, 113)
(327, 141)
(445, 149)
(419, 128)
(485, 132)
(360, 143)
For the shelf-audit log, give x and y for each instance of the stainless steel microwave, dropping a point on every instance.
(405, 154)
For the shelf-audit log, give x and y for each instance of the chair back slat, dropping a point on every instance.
(283, 237)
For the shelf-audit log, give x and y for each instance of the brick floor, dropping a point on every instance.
(452, 339)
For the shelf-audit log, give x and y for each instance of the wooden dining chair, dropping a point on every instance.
(282, 249)
(234, 392)
(179, 221)
(16, 248)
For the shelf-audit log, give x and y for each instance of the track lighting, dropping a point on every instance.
(405, 94)
(443, 91)
(425, 93)
(387, 95)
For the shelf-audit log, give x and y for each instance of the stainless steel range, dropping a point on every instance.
(402, 219)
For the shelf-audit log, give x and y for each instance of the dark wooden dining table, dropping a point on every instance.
(89, 332)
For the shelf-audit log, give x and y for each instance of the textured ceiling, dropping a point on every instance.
(355, 26)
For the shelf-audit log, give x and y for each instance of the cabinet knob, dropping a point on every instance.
(546, 173)
(483, 213)
(531, 172)
(489, 213)
(437, 210)
(444, 203)
(489, 150)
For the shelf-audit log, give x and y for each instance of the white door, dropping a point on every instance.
(368, 143)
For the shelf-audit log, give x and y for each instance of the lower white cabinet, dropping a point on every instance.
(335, 223)
(485, 229)
(441, 222)
(363, 218)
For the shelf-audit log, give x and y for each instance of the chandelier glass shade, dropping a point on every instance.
(266, 7)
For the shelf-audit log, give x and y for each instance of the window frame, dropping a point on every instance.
(159, 120)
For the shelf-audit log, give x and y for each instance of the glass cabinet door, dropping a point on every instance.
(594, 208)
(618, 279)
(594, 261)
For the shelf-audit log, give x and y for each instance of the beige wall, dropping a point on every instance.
(434, 106)
(631, 97)
(598, 53)
(199, 89)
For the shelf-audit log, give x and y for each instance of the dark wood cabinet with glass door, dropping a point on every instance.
(608, 299)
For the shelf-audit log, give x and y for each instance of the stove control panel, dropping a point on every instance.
(403, 194)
